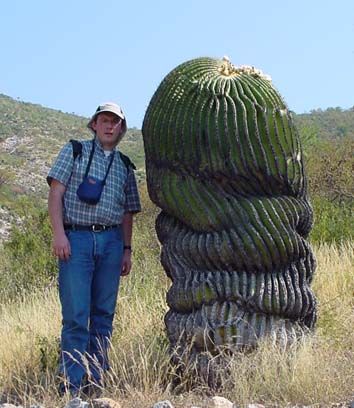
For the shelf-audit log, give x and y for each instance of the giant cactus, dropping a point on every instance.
(224, 164)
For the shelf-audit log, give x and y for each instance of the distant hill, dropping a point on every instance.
(332, 123)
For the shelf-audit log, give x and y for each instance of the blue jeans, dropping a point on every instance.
(88, 289)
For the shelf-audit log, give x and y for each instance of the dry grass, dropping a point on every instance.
(318, 371)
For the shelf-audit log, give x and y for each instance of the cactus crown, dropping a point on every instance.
(228, 69)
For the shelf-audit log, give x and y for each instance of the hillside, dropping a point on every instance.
(332, 123)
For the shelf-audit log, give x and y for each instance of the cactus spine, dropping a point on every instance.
(224, 164)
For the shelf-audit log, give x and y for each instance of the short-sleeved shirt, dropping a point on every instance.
(120, 192)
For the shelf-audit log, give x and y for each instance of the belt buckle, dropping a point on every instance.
(96, 228)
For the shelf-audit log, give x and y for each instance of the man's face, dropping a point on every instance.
(108, 128)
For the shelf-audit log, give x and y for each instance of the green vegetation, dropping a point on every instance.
(333, 221)
(330, 165)
(332, 123)
(23, 119)
(27, 261)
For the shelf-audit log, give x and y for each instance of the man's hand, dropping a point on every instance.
(126, 263)
(61, 247)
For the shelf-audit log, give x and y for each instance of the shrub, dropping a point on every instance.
(333, 221)
(27, 262)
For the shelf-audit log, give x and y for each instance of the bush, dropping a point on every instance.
(329, 166)
(333, 221)
(27, 262)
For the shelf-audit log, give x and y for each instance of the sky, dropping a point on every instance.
(72, 55)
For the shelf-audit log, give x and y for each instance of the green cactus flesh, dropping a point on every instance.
(224, 164)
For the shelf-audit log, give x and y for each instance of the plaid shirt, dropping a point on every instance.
(119, 195)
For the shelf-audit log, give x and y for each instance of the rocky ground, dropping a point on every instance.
(24, 172)
(213, 402)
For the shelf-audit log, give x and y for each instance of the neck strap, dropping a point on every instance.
(90, 161)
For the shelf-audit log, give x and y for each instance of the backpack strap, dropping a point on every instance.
(77, 151)
(77, 148)
(128, 163)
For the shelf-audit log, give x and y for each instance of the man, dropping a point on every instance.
(91, 204)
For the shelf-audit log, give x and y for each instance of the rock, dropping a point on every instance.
(255, 406)
(77, 403)
(10, 406)
(221, 402)
(105, 403)
(18, 406)
(163, 404)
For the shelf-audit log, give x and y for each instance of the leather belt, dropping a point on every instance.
(93, 227)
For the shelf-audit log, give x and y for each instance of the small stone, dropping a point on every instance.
(77, 403)
(255, 406)
(221, 402)
(105, 403)
(163, 404)
(10, 406)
